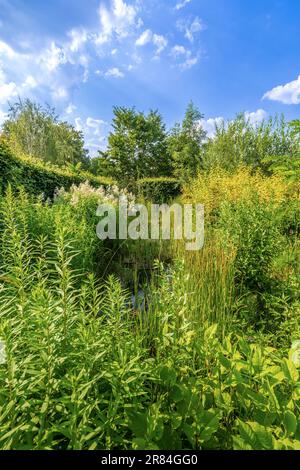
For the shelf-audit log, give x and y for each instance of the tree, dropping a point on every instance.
(288, 165)
(36, 131)
(101, 165)
(240, 142)
(186, 144)
(137, 146)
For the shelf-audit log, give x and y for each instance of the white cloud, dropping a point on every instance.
(191, 28)
(118, 20)
(60, 94)
(114, 72)
(53, 57)
(78, 38)
(182, 4)
(286, 94)
(3, 117)
(209, 125)
(189, 63)
(185, 56)
(30, 82)
(256, 117)
(8, 91)
(70, 108)
(160, 42)
(144, 38)
(178, 51)
(6, 50)
(95, 125)
(93, 133)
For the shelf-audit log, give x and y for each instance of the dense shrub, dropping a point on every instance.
(79, 369)
(83, 367)
(158, 190)
(217, 186)
(37, 177)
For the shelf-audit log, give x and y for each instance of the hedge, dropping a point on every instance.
(37, 177)
(158, 190)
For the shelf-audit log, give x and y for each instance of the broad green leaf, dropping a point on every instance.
(290, 422)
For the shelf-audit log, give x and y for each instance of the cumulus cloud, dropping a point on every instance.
(3, 117)
(114, 72)
(70, 108)
(209, 125)
(117, 20)
(185, 56)
(178, 51)
(182, 4)
(53, 57)
(256, 117)
(8, 91)
(60, 94)
(189, 63)
(53, 69)
(78, 37)
(159, 41)
(286, 94)
(191, 28)
(144, 38)
(93, 130)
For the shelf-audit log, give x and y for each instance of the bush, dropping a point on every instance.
(158, 190)
(218, 186)
(74, 379)
(37, 177)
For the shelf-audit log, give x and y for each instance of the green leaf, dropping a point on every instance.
(211, 420)
(290, 371)
(264, 436)
(168, 375)
(290, 422)
(248, 436)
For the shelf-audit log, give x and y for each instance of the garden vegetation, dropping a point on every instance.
(141, 344)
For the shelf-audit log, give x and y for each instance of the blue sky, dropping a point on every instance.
(84, 57)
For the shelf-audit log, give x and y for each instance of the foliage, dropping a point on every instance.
(158, 190)
(240, 142)
(217, 186)
(35, 131)
(137, 146)
(185, 144)
(288, 165)
(100, 348)
(81, 370)
(38, 177)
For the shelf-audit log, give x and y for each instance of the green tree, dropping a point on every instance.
(240, 142)
(186, 144)
(101, 165)
(288, 164)
(36, 131)
(137, 146)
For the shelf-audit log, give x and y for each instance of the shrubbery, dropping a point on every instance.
(158, 190)
(210, 357)
(37, 177)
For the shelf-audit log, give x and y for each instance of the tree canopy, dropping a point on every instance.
(36, 131)
(137, 145)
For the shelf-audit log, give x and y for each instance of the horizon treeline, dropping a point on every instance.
(139, 144)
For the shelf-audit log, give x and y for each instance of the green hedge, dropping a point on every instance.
(37, 177)
(158, 190)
